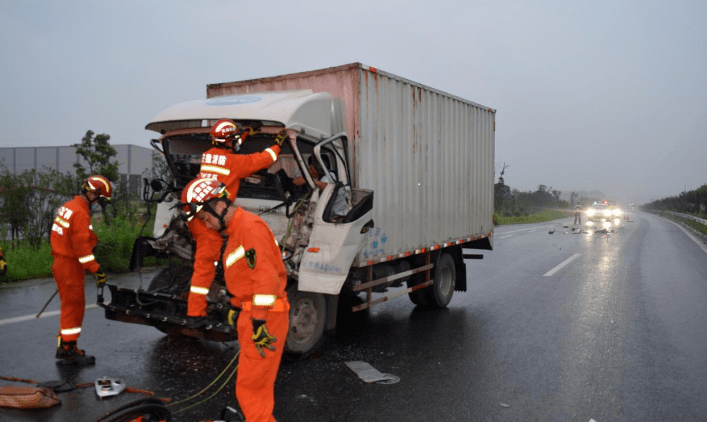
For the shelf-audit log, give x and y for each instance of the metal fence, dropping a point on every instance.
(133, 161)
(689, 217)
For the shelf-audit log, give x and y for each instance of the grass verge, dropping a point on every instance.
(537, 217)
(115, 245)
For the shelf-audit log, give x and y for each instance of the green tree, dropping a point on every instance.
(97, 152)
(501, 190)
(29, 203)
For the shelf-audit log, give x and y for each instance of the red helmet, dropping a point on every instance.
(200, 191)
(100, 186)
(225, 130)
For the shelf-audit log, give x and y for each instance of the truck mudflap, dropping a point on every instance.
(163, 311)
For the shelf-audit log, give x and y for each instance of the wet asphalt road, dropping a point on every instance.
(553, 327)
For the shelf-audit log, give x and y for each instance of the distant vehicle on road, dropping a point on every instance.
(603, 216)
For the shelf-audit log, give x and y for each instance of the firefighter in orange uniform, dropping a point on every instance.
(72, 242)
(221, 162)
(3, 264)
(257, 278)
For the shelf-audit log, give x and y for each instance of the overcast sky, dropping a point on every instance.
(590, 95)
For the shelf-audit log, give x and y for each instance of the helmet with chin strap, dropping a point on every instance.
(199, 192)
(225, 133)
(99, 186)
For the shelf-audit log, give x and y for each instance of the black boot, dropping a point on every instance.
(69, 354)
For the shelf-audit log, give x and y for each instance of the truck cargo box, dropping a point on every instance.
(427, 155)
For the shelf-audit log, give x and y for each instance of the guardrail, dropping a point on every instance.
(688, 216)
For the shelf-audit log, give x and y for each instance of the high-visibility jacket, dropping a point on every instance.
(72, 234)
(257, 278)
(72, 242)
(253, 267)
(208, 249)
(229, 169)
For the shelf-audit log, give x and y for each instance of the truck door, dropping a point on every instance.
(342, 217)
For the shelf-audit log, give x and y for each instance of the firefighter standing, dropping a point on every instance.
(72, 241)
(221, 162)
(3, 264)
(577, 215)
(257, 278)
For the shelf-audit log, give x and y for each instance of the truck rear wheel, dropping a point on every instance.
(307, 321)
(439, 294)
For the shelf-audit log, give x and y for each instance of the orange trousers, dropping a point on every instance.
(255, 383)
(70, 275)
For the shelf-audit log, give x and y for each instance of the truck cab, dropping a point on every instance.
(320, 231)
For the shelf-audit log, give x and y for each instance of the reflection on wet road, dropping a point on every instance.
(554, 327)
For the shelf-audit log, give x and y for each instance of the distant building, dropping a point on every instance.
(133, 161)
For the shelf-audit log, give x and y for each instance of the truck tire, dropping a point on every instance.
(307, 321)
(418, 297)
(439, 294)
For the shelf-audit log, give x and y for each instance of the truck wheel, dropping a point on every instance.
(307, 321)
(439, 294)
(418, 297)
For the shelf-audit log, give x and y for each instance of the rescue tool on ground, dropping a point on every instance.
(433, 198)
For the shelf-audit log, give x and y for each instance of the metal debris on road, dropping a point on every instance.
(369, 374)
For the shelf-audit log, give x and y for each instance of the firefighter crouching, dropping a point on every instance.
(256, 277)
(72, 242)
(223, 163)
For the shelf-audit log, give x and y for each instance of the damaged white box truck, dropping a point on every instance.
(414, 164)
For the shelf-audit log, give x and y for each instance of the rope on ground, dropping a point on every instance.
(86, 385)
(226, 381)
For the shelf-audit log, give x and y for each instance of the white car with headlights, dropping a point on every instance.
(602, 216)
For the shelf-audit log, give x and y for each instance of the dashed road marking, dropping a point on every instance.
(34, 316)
(562, 265)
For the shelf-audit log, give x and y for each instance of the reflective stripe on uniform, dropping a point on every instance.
(87, 258)
(199, 290)
(279, 305)
(62, 222)
(206, 168)
(264, 300)
(272, 154)
(234, 256)
(70, 331)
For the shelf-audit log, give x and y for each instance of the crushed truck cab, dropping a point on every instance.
(427, 156)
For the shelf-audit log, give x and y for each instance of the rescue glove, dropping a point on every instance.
(3, 265)
(100, 278)
(248, 131)
(261, 337)
(280, 138)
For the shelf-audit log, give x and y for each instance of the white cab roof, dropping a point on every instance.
(302, 110)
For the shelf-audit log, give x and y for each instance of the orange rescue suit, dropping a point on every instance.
(229, 169)
(254, 274)
(72, 242)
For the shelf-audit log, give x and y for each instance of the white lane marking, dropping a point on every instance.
(559, 267)
(534, 230)
(503, 237)
(691, 236)
(34, 316)
(522, 230)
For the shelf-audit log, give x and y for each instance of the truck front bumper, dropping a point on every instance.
(168, 313)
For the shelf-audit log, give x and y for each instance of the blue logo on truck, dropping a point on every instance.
(235, 100)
